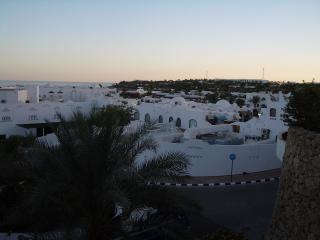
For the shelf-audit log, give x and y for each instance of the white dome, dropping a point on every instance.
(178, 101)
(223, 103)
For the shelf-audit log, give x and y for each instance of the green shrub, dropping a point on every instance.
(303, 108)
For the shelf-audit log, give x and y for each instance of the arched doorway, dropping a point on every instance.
(147, 118)
(136, 115)
(192, 123)
(160, 119)
(170, 119)
(178, 122)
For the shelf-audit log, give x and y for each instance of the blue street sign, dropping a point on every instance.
(232, 156)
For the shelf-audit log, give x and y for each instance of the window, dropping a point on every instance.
(160, 119)
(192, 123)
(170, 119)
(273, 112)
(6, 118)
(33, 117)
(136, 115)
(147, 118)
(236, 128)
(178, 122)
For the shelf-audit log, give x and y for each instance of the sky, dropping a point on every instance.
(78, 40)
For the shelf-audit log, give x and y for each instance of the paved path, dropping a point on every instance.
(241, 207)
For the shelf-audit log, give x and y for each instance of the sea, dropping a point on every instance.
(11, 83)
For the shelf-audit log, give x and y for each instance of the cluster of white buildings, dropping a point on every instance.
(271, 109)
(207, 133)
(210, 133)
(25, 110)
(186, 114)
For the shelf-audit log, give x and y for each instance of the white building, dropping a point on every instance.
(207, 133)
(13, 95)
(270, 121)
(209, 146)
(186, 114)
(73, 93)
(21, 112)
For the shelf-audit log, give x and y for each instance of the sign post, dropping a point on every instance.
(232, 157)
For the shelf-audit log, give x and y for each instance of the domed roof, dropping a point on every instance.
(223, 103)
(178, 101)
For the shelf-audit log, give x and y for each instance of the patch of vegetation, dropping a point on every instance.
(12, 155)
(303, 108)
(213, 85)
(92, 183)
(240, 102)
(212, 97)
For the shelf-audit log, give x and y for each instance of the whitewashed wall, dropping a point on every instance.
(13, 95)
(213, 160)
(175, 111)
(21, 114)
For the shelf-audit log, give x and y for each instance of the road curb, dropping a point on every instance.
(216, 184)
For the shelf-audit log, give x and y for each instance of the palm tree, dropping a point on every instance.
(81, 184)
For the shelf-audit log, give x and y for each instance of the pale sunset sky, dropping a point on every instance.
(78, 40)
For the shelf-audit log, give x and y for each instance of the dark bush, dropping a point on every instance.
(303, 108)
(240, 102)
(225, 234)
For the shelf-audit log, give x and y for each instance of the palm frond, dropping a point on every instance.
(78, 183)
(172, 165)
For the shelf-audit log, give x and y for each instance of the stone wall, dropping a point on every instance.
(297, 211)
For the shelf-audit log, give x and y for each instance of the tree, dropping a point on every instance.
(255, 100)
(212, 97)
(240, 102)
(12, 152)
(83, 182)
(303, 108)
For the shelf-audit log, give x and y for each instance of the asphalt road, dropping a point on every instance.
(245, 208)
